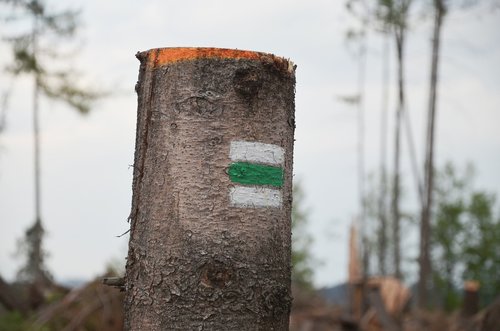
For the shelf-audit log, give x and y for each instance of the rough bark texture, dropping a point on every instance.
(196, 261)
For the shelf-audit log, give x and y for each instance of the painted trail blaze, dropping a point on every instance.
(255, 197)
(259, 167)
(255, 174)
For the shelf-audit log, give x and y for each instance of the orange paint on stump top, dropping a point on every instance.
(163, 56)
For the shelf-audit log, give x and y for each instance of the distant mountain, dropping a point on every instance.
(336, 295)
(72, 283)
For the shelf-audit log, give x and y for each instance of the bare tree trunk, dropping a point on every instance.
(361, 155)
(382, 198)
(34, 271)
(36, 123)
(35, 233)
(36, 144)
(413, 156)
(212, 192)
(425, 267)
(399, 36)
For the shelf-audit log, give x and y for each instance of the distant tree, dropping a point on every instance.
(379, 239)
(394, 13)
(389, 17)
(425, 223)
(481, 253)
(382, 210)
(34, 270)
(465, 237)
(448, 233)
(356, 41)
(439, 10)
(377, 236)
(301, 241)
(37, 53)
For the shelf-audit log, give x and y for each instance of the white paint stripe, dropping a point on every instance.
(255, 197)
(246, 151)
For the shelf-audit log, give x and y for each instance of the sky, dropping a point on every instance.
(86, 160)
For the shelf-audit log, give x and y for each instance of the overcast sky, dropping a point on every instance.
(87, 178)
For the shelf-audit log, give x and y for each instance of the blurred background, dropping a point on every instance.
(371, 124)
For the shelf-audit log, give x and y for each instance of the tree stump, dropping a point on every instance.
(210, 237)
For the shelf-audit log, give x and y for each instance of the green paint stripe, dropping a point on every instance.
(255, 174)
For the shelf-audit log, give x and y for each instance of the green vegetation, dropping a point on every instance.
(465, 238)
(13, 321)
(40, 51)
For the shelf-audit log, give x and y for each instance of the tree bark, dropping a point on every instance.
(210, 238)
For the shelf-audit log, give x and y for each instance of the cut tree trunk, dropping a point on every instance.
(210, 238)
(377, 303)
(470, 305)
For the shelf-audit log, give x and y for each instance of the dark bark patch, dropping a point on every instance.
(247, 83)
(216, 274)
(215, 141)
(141, 56)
